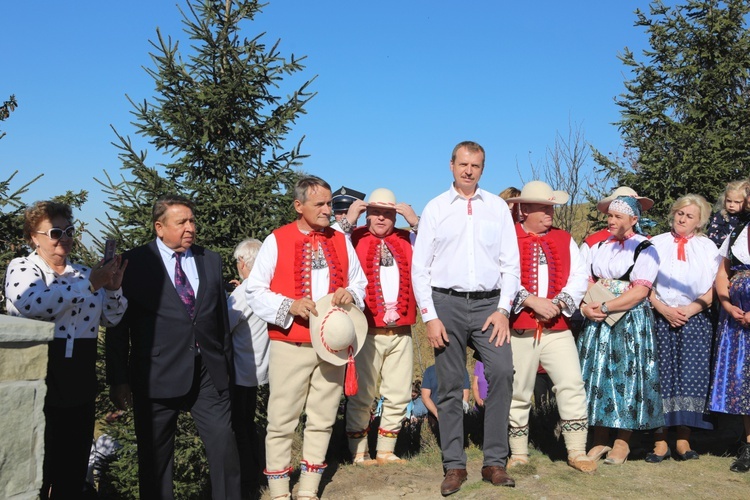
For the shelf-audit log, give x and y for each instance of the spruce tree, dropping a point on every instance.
(220, 129)
(684, 113)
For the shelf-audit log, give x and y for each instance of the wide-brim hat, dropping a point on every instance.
(343, 197)
(337, 330)
(382, 197)
(540, 192)
(603, 204)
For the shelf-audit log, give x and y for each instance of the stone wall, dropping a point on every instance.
(23, 368)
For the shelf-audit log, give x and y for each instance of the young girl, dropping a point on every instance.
(729, 208)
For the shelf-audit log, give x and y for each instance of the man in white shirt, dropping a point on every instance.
(465, 274)
(298, 264)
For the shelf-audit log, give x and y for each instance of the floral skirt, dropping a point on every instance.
(730, 386)
(685, 370)
(620, 369)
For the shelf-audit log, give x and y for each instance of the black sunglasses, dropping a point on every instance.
(56, 233)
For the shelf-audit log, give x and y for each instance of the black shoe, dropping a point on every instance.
(688, 455)
(742, 464)
(653, 458)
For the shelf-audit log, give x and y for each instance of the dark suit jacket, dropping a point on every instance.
(153, 347)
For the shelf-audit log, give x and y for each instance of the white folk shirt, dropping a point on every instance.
(681, 282)
(33, 290)
(269, 305)
(611, 259)
(468, 245)
(739, 249)
(249, 339)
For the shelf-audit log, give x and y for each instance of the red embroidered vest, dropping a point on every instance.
(293, 275)
(556, 246)
(367, 246)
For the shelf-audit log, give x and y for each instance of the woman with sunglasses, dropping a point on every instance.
(46, 286)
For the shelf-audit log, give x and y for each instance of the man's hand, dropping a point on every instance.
(303, 308)
(407, 213)
(121, 396)
(341, 297)
(437, 337)
(355, 210)
(543, 308)
(500, 328)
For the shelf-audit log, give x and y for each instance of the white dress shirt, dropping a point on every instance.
(268, 304)
(681, 282)
(187, 262)
(468, 245)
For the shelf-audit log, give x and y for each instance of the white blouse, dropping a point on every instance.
(33, 290)
(612, 258)
(681, 282)
(739, 249)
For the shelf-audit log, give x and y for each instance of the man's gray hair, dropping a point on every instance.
(247, 250)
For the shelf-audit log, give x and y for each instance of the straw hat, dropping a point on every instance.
(540, 192)
(382, 197)
(603, 205)
(336, 329)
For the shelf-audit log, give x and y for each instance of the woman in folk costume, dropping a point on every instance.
(387, 355)
(681, 297)
(618, 359)
(730, 386)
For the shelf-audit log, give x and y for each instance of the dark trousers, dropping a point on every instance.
(463, 320)
(244, 402)
(68, 435)
(155, 427)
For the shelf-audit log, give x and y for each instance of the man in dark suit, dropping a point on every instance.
(173, 350)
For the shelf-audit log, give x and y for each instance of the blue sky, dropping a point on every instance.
(399, 83)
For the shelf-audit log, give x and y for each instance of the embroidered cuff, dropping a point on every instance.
(568, 306)
(283, 312)
(645, 283)
(345, 225)
(357, 300)
(521, 296)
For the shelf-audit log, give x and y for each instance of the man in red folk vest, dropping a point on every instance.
(299, 264)
(391, 309)
(553, 283)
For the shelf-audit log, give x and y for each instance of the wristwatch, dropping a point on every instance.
(604, 308)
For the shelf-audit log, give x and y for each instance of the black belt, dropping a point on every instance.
(469, 295)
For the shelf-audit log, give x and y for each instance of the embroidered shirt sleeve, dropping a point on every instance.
(521, 296)
(568, 305)
(283, 312)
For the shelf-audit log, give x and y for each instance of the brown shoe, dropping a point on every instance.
(452, 482)
(496, 475)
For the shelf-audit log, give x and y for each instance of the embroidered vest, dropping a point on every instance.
(556, 246)
(293, 275)
(367, 246)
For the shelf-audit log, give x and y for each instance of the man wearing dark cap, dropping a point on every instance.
(341, 200)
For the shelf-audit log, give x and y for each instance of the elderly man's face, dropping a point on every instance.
(381, 220)
(315, 212)
(176, 228)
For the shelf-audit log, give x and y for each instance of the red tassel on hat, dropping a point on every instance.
(351, 386)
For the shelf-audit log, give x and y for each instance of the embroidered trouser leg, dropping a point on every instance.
(556, 352)
(300, 380)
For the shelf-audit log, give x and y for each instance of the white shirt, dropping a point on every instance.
(268, 305)
(250, 340)
(611, 259)
(739, 249)
(681, 282)
(468, 245)
(66, 299)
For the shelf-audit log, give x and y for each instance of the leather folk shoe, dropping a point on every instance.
(452, 482)
(496, 475)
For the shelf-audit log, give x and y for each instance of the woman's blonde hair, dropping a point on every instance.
(699, 201)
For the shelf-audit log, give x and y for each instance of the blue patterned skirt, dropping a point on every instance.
(685, 370)
(730, 387)
(620, 369)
